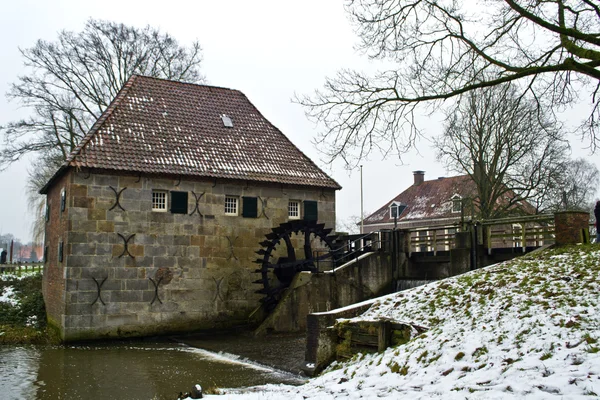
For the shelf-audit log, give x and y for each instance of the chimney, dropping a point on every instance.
(419, 177)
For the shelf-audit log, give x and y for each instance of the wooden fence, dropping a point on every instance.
(513, 232)
(20, 267)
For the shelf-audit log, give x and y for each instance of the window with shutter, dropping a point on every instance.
(231, 205)
(311, 211)
(249, 207)
(159, 200)
(293, 209)
(179, 202)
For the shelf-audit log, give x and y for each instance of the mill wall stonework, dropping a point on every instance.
(131, 271)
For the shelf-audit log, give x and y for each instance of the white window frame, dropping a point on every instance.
(456, 199)
(157, 205)
(232, 205)
(398, 205)
(291, 213)
(63, 200)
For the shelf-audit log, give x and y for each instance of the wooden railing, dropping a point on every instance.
(513, 232)
(20, 267)
(433, 238)
(521, 232)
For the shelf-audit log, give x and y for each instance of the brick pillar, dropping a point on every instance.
(570, 226)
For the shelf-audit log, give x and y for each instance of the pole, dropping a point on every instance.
(361, 201)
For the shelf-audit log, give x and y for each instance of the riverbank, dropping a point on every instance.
(527, 328)
(22, 311)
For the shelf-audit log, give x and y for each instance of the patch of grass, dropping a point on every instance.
(479, 352)
(593, 349)
(589, 339)
(546, 356)
(459, 356)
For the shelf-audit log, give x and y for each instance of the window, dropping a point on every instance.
(63, 200)
(46, 254)
(456, 203)
(396, 209)
(311, 211)
(47, 211)
(231, 205)
(60, 252)
(179, 202)
(294, 209)
(249, 207)
(159, 200)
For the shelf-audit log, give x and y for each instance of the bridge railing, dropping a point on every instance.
(431, 239)
(518, 232)
(512, 232)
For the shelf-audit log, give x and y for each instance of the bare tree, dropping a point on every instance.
(511, 152)
(70, 84)
(73, 80)
(574, 188)
(441, 49)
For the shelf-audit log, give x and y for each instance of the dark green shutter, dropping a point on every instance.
(47, 212)
(179, 202)
(249, 207)
(60, 251)
(311, 210)
(46, 254)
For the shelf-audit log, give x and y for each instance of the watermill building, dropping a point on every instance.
(153, 220)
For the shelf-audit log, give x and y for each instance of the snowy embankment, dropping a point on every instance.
(528, 328)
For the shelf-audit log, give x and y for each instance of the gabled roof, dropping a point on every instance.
(432, 200)
(158, 126)
(428, 200)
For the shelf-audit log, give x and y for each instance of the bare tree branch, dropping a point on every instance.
(72, 81)
(443, 49)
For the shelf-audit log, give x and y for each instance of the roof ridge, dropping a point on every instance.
(185, 83)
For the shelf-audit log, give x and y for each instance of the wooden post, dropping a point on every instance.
(384, 335)
(523, 237)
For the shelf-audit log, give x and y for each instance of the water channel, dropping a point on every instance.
(158, 369)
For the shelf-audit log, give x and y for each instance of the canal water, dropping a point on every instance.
(140, 369)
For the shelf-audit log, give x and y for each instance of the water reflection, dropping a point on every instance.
(134, 370)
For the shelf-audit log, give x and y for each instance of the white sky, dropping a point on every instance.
(268, 49)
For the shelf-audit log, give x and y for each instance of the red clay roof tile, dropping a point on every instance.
(159, 126)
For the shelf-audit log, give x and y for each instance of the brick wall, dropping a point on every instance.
(56, 227)
(205, 261)
(569, 226)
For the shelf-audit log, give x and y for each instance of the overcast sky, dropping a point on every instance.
(269, 50)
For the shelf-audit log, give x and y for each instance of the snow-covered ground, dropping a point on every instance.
(528, 328)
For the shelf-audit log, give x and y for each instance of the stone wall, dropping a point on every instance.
(161, 272)
(367, 277)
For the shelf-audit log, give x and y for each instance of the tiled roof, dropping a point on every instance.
(432, 200)
(429, 200)
(165, 127)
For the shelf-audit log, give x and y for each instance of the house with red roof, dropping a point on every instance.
(153, 220)
(439, 204)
